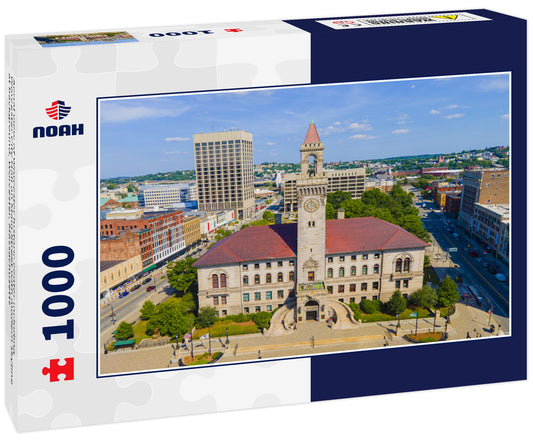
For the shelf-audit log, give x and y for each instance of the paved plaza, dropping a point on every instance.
(309, 338)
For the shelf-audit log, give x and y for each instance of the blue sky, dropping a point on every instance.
(355, 121)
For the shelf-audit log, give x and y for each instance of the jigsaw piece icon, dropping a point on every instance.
(55, 369)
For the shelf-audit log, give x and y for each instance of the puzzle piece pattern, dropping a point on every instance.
(63, 206)
(55, 369)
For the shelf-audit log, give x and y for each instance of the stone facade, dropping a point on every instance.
(312, 267)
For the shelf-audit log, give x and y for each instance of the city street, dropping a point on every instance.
(470, 269)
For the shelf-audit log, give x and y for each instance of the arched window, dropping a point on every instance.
(245, 280)
(376, 268)
(280, 277)
(268, 278)
(257, 279)
(291, 276)
(352, 271)
(330, 273)
(341, 271)
(364, 270)
(406, 265)
(222, 280)
(398, 265)
(214, 281)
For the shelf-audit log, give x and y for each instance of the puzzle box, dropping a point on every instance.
(203, 211)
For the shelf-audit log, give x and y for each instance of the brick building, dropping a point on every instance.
(483, 187)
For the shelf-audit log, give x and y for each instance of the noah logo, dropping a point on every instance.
(57, 111)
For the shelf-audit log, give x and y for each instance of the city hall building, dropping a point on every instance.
(310, 268)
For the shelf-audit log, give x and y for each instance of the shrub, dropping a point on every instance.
(370, 306)
(356, 311)
(262, 319)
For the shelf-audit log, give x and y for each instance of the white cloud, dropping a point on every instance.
(122, 112)
(450, 107)
(401, 131)
(361, 126)
(505, 116)
(177, 139)
(434, 112)
(363, 137)
(454, 116)
(271, 143)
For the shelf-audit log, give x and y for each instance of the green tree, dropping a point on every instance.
(124, 331)
(169, 319)
(337, 198)
(425, 297)
(182, 275)
(447, 292)
(397, 304)
(206, 317)
(147, 310)
(222, 233)
(268, 216)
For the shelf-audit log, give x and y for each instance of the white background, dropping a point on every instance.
(499, 413)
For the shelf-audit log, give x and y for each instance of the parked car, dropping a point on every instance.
(123, 294)
(473, 254)
(137, 286)
(150, 288)
(500, 277)
(493, 269)
(147, 280)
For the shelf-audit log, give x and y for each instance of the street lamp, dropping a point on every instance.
(227, 338)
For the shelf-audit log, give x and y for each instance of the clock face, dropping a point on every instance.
(311, 205)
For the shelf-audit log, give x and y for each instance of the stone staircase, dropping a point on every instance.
(345, 318)
(280, 321)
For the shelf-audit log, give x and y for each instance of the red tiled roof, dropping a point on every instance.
(312, 135)
(279, 241)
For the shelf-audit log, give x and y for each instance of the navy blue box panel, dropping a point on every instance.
(414, 51)
(349, 55)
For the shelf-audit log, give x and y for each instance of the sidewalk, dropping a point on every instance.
(309, 338)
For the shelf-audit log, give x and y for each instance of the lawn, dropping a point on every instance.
(405, 315)
(139, 331)
(218, 329)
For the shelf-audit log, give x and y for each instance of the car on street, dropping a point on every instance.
(134, 288)
(123, 294)
(473, 254)
(147, 280)
(500, 277)
(150, 288)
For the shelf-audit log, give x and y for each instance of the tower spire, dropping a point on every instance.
(312, 134)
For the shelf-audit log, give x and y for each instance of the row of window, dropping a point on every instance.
(268, 278)
(220, 281)
(353, 271)
(258, 295)
(353, 288)
(268, 265)
(342, 258)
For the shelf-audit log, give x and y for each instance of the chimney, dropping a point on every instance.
(340, 214)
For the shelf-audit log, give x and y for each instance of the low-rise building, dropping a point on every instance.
(491, 229)
(114, 273)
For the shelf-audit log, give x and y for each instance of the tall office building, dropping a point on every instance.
(225, 171)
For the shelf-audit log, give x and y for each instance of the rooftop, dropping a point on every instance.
(280, 241)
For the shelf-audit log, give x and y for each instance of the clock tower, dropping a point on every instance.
(311, 188)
